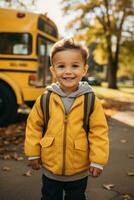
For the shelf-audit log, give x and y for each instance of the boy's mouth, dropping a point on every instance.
(68, 78)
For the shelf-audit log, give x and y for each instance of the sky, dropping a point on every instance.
(53, 8)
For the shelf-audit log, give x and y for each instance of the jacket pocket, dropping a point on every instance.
(81, 152)
(80, 145)
(46, 141)
(47, 151)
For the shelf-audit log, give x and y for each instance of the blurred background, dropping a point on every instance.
(28, 29)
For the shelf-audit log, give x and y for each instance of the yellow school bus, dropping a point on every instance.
(25, 42)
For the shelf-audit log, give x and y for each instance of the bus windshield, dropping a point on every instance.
(16, 43)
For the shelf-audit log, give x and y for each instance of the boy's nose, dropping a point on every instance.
(68, 70)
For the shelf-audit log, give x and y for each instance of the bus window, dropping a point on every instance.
(44, 47)
(49, 46)
(41, 47)
(15, 43)
(46, 27)
(42, 63)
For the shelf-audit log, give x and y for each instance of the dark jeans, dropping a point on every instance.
(53, 190)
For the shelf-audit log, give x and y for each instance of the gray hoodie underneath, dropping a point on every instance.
(68, 102)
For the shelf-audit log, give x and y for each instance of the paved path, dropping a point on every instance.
(14, 186)
(126, 117)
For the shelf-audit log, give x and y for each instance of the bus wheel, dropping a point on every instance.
(8, 105)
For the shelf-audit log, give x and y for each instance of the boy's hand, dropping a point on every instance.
(95, 171)
(35, 164)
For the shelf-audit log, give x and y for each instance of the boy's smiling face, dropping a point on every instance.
(68, 69)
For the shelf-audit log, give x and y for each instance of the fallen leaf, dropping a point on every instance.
(28, 173)
(130, 173)
(6, 168)
(108, 186)
(6, 142)
(131, 156)
(123, 141)
(15, 156)
(126, 197)
(7, 157)
(20, 158)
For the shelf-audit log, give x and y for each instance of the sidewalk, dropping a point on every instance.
(126, 117)
(13, 185)
(121, 147)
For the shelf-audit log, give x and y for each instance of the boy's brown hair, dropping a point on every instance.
(66, 44)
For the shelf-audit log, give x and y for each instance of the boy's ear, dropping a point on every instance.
(85, 69)
(53, 73)
(52, 70)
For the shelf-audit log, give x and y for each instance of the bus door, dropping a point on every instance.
(44, 75)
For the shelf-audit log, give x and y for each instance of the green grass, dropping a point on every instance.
(122, 94)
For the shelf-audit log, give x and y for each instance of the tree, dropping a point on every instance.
(110, 21)
(20, 4)
(127, 65)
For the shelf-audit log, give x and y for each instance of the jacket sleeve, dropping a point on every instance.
(98, 135)
(34, 129)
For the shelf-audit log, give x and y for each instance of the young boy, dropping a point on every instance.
(65, 153)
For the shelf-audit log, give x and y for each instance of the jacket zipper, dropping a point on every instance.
(64, 144)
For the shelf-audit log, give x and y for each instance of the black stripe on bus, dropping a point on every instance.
(17, 70)
(27, 59)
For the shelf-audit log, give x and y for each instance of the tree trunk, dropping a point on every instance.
(114, 59)
(112, 75)
(112, 66)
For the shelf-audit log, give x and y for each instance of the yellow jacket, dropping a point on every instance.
(64, 149)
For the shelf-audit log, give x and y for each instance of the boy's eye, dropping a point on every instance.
(60, 66)
(75, 66)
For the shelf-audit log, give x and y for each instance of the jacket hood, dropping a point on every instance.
(83, 88)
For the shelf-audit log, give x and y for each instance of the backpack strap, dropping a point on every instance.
(44, 103)
(88, 109)
(89, 99)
